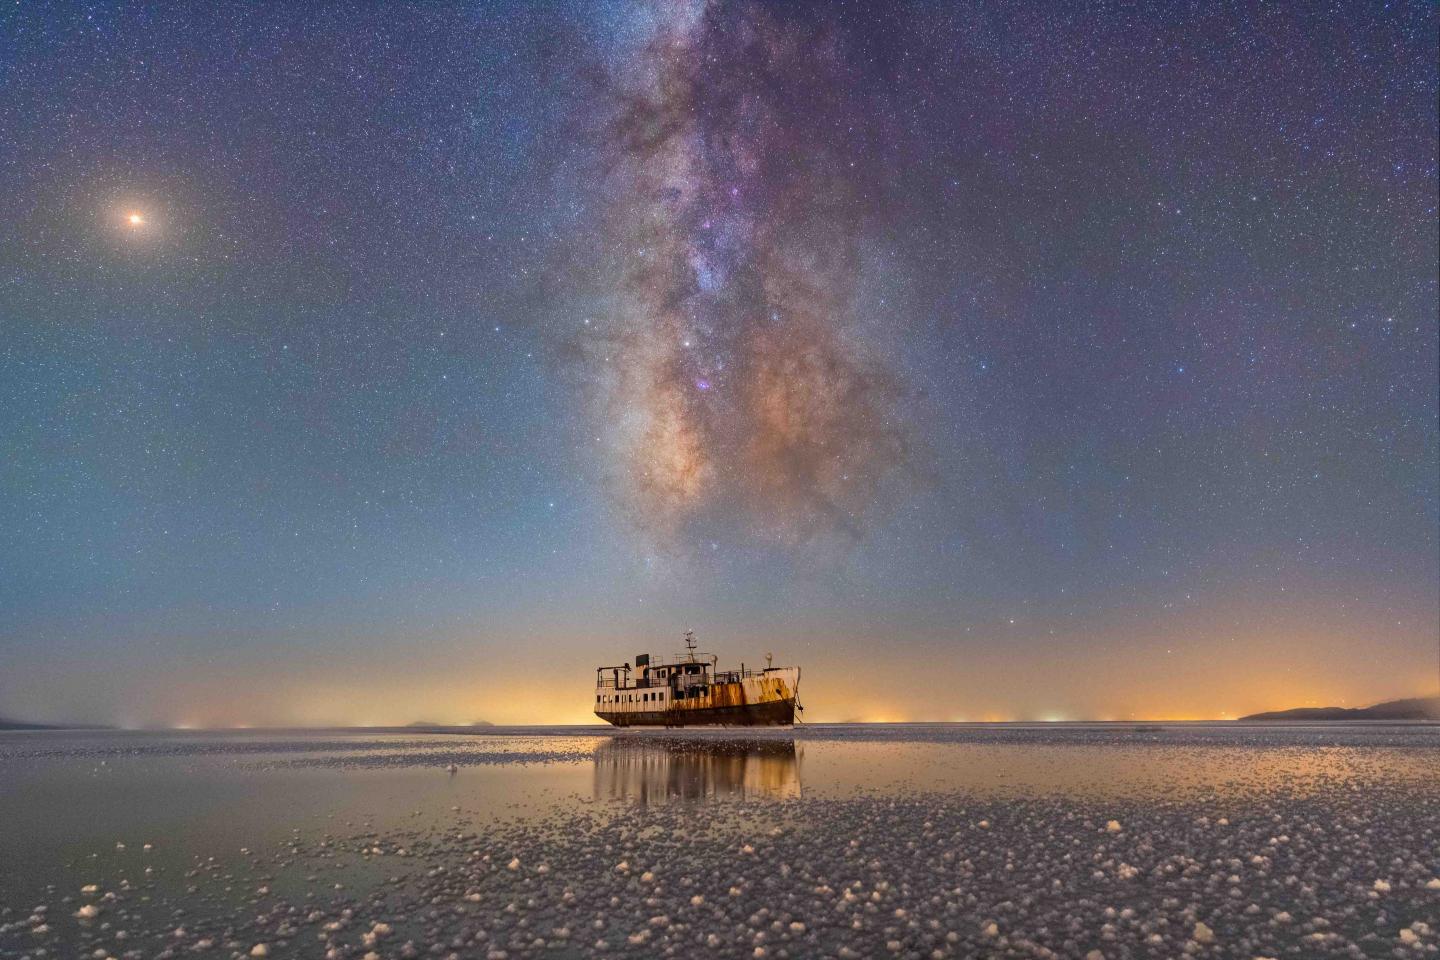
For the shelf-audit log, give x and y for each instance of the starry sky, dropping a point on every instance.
(368, 363)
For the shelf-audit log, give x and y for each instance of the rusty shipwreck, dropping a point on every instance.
(692, 691)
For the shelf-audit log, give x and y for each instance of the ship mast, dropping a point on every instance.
(690, 644)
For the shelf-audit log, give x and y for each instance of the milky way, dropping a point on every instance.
(732, 378)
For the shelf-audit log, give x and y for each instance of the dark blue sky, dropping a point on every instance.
(1016, 359)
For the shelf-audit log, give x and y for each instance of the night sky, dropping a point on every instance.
(382, 362)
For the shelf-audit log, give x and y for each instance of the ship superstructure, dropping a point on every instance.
(691, 690)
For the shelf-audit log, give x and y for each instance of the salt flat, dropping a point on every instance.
(1042, 840)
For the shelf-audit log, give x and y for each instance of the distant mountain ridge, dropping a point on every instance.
(428, 723)
(6, 724)
(1415, 708)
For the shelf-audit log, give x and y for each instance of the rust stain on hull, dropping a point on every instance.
(733, 694)
(776, 713)
(767, 700)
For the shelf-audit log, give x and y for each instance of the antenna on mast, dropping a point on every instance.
(690, 643)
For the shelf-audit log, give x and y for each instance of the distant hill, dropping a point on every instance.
(22, 725)
(17, 725)
(427, 723)
(1416, 708)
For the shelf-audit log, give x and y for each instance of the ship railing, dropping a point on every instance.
(644, 683)
(731, 676)
(639, 683)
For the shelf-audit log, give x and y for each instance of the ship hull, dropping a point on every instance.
(776, 713)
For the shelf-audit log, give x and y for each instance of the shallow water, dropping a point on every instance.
(909, 840)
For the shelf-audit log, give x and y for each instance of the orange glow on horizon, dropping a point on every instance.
(448, 703)
(1191, 671)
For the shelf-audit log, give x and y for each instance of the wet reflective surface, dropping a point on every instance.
(662, 769)
(1300, 840)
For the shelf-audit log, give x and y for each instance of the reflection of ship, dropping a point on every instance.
(693, 691)
(653, 770)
